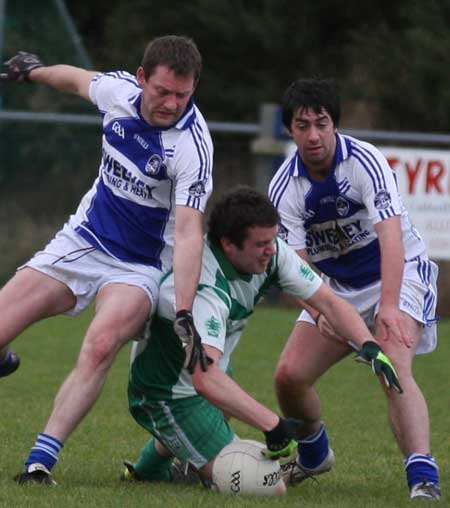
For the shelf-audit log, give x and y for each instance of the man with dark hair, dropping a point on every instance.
(242, 258)
(340, 209)
(312, 94)
(179, 54)
(143, 214)
(232, 217)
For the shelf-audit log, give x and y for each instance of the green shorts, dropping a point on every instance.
(192, 429)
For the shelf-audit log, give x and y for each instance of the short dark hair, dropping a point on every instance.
(238, 210)
(177, 52)
(315, 94)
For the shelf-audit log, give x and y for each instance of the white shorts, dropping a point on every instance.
(71, 260)
(418, 298)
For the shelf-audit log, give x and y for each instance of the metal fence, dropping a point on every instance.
(265, 128)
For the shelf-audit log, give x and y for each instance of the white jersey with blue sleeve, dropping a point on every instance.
(145, 171)
(334, 220)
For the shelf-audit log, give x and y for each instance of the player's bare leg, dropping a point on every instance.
(409, 419)
(306, 356)
(408, 412)
(121, 311)
(28, 297)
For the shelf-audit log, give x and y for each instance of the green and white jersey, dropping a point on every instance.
(224, 301)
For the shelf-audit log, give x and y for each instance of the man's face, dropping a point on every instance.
(314, 135)
(256, 251)
(164, 95)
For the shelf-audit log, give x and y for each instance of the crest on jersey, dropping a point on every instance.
(283, 232)
(342, 206)
(382, 200)
(197, 189)
(213, 326)
(153, 165)
(307, 273)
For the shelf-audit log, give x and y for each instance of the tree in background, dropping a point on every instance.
(403, 66)
(252, 50)
(390, 56)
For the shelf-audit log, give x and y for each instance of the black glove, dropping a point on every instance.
(185, 329)
(372, 354)
(19, 66)
(280, 440)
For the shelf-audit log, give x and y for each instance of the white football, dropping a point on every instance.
(241, 469)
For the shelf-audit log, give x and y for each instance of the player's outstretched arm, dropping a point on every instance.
(18, 67)
(224, 393)
(341, 315)
(66, 78)
(348, 323)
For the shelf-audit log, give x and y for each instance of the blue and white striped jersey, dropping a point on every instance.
(145, 171)
(334, 220)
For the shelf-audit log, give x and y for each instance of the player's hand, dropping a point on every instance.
(185, 329)
(280, 440)
(372, 354)
(391, 325)
(19, 66)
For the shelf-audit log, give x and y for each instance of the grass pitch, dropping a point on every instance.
(368, 473)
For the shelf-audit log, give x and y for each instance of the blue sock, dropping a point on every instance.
(45, 451)
(313, 449)
(421, 468)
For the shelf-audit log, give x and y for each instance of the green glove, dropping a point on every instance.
(372, 354)
(279, 440)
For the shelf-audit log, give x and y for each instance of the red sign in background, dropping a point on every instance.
(424, 181)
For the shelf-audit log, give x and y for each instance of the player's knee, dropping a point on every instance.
(100, 350)
(401, 358)
(288, 376)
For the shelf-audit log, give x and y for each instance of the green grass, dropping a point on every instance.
(369, 471)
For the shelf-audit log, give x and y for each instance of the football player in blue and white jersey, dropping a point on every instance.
(143, 212)
(340, 209)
